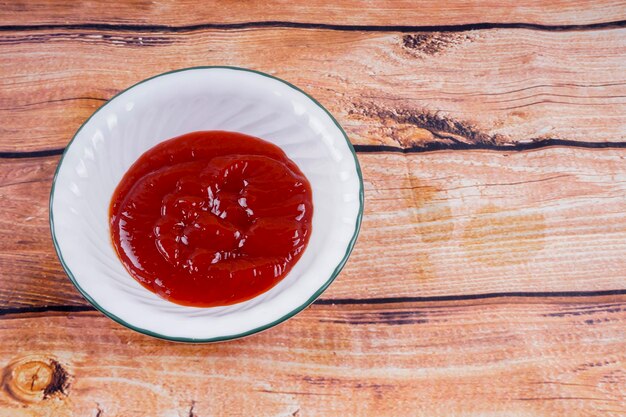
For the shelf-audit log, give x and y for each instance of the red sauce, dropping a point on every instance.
(211, 218)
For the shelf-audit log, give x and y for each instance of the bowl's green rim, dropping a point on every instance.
(292, 313)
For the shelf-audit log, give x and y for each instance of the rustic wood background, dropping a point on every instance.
(490, 275)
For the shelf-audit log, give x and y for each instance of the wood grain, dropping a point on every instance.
(350, 12)
(555, 357)
(480, 88)
(459, 223)
(489, 276)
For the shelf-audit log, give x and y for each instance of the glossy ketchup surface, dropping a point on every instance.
(211, 218)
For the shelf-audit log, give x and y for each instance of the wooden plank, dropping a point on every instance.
(459, 223)
(552, 357)
(350, 12)
(480, 88)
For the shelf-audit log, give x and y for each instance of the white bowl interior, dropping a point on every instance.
(170, 105)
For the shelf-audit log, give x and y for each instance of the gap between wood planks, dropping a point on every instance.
(301, 25)
(364, 301)
(429, 147)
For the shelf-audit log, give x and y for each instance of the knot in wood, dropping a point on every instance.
(35, 378)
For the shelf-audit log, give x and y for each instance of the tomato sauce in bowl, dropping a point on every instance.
(211, 218)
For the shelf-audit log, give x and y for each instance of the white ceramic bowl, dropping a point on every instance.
(169, 105)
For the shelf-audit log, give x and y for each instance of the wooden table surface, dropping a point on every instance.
(489, 278)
